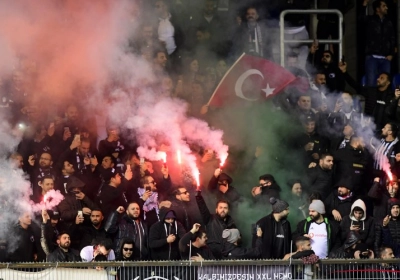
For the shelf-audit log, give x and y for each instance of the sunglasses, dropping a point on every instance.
(128, 249)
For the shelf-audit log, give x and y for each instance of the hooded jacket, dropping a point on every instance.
(160, 248)
(128, 228)
(366, 224)
(344, 252)
(331, 228)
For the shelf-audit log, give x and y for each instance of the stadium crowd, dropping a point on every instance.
(119, 206)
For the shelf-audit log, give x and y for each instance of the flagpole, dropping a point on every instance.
(223, 78)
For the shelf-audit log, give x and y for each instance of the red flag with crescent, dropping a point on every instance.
(250, 78)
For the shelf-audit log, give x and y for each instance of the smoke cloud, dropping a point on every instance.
(76, 52)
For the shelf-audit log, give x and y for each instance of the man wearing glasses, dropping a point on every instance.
(335, 81)
(180, 203)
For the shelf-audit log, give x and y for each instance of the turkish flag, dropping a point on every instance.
(252, 79)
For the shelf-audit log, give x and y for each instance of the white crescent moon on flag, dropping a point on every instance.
(240, 81)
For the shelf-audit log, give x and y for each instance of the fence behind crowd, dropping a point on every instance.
(207, 270)
(284, 41)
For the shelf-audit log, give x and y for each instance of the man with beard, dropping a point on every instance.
(386, 151)
(311, 142)
(303, 108)
(378, 98)
(338, 203)
(320, 176)
(215, 223)
(334, 121)
(277, 235)
(334, 77)
(251, 37)
(46, 184)
(324, 235)
(298, 200)
(87, 233)
(386, 230)
(129, 226)
(38, 171)
(67, 170)
(180, 203)
(63, 253)
(352, 161)
(319, 92)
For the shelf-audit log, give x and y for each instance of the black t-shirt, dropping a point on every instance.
(278, 244)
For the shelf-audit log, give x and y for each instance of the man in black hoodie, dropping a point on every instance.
(164, 237)
(277, 234)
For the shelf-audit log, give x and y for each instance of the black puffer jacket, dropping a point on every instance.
(215, 226)
(128, 228)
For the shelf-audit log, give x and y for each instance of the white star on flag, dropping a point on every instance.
(268, 90)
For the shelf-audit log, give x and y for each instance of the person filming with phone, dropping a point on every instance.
(359, 221)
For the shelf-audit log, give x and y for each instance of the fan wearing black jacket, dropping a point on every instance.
(232, 245)
(193, 245)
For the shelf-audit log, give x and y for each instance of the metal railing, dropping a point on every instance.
(206, 270)
(283, 41)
